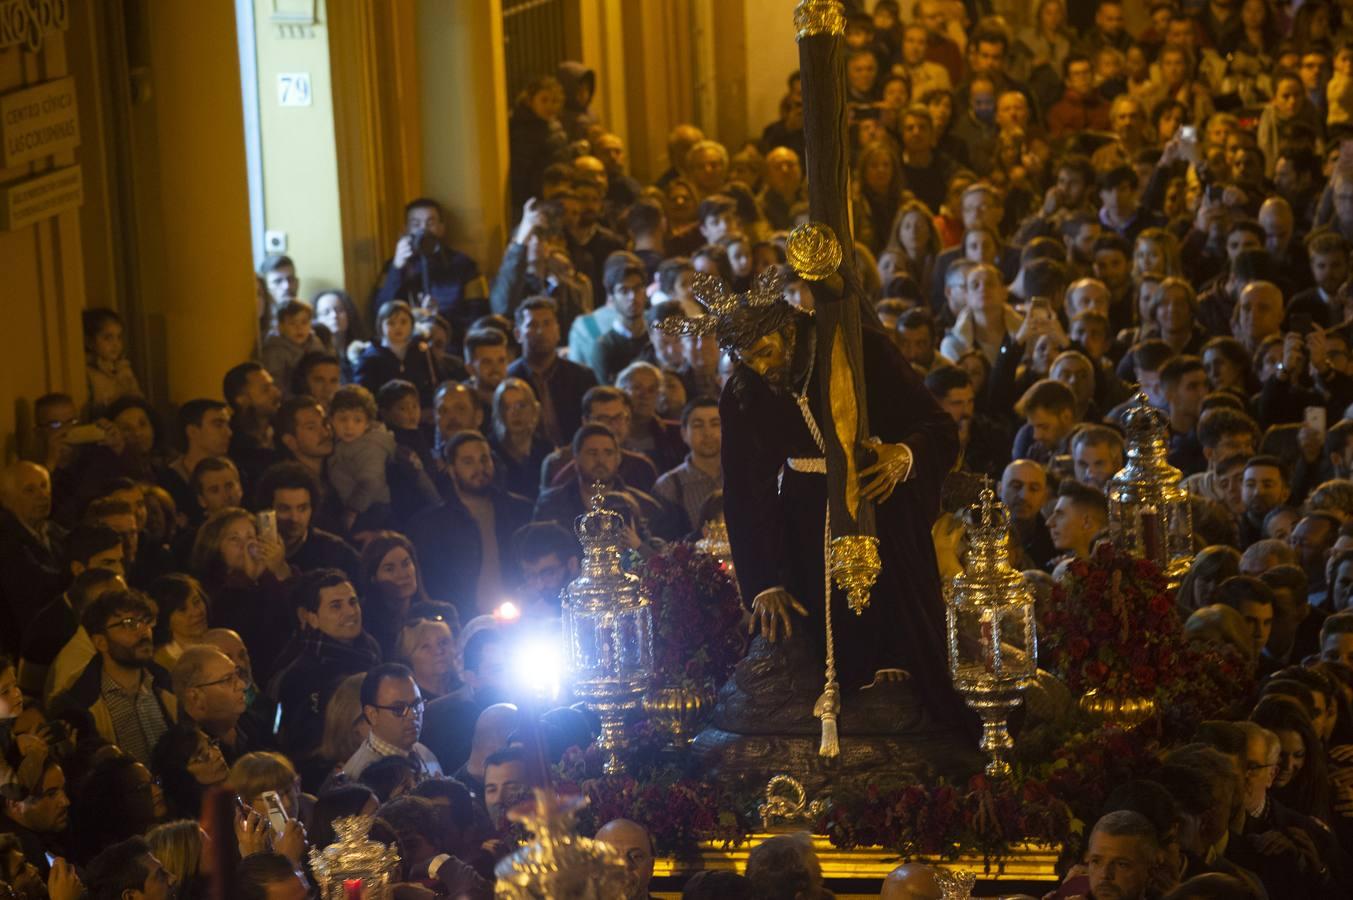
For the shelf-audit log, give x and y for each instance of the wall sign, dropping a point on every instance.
(38, 121)
(28, 22)
(27, 202)
(293, 89)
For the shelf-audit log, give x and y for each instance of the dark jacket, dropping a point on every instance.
(323, 550)
(449, 272)
(533, 143)
(613, 351)
(305, 685)
(515, 282)
(378, 365)
(449, 547)
(34, 572)
(261, 612)
(86, 693)
(520, 477)
(564, 503)
(566, 382)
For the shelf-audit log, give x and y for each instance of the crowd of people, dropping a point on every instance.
(312, 590)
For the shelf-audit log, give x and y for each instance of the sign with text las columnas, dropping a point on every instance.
(38, 121)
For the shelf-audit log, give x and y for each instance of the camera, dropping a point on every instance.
(424, 243)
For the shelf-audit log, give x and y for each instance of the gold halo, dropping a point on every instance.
(813, 251)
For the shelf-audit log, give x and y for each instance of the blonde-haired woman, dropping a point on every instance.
(428, 647)
(178, 846)
(1156, 253)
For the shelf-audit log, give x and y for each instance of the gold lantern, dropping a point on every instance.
(353, 861)
(993, 642)
(607, 626)
(1149, 512)
(559, 864)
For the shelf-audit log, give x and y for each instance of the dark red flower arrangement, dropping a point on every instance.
(1111, 625)
(697, 617)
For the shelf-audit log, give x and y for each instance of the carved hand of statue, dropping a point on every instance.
(891, 467)
(888, 676)
(770, 614)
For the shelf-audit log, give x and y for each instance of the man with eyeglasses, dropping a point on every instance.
(210, 691)
(79, 457)
(393, 707)
(126, 694)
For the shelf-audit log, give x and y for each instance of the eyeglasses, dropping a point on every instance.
(237, 675)
(402, 710)
(1252, 767)
(133, 623)
(58, 424)
(147, 787)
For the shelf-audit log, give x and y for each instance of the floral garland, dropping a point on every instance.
(1110, 626)
(697, 617)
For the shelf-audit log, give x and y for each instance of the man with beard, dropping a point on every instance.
(1096, 455)
(254, 402)
(1024, 489)
(331, 646)
(507, 782)
(36, 807)
(983, 443)
(1123, 852)
(775, 496)
(547, 560)
(463, 542)
(290, 490)
(210, 692)
(126, 694)
(1264, 487)
(393, 707)
(596, 459)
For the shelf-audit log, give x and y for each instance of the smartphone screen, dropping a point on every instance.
(277, 814)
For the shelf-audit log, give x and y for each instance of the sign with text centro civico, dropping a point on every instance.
(28, 22)
(37, 121)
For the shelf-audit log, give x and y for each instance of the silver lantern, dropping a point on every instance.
(607, 626)
(993, 641)
(1149, 512)
(354, 865)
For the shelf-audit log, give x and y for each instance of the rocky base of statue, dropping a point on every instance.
(763, 725)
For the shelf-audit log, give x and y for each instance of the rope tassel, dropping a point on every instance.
(827, 708)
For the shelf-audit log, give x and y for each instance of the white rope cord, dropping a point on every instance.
(829, 703)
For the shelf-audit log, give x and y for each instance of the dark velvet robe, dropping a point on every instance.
(777, 534)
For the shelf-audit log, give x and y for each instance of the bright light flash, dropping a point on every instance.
(539, 668)
(507, 611)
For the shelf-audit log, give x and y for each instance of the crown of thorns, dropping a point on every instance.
(738, 320)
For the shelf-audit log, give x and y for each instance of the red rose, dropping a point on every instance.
(1078, 647)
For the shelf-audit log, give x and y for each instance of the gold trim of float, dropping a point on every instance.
(1024, 862)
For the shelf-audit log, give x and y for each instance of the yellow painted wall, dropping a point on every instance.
(202, 303)
(300, 162)
(166, 218)
(463, 98)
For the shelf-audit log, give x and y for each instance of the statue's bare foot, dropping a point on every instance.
(887, 676)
